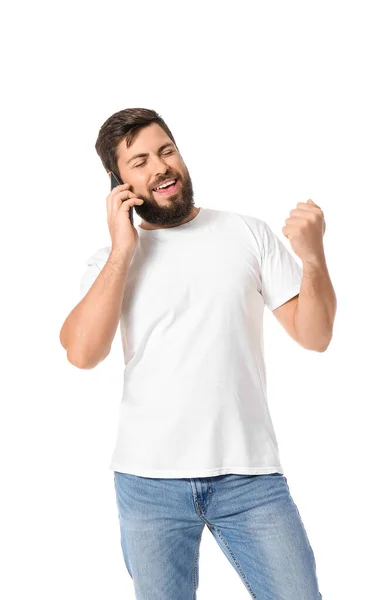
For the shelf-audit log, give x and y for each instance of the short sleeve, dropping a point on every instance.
(281, 274)
(94, 263)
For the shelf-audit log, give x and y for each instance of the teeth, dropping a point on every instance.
(165, 185)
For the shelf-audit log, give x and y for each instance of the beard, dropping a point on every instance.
(170, 210)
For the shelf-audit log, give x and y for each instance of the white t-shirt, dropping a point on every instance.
(194, 398)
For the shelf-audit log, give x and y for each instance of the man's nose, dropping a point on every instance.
(159, 165)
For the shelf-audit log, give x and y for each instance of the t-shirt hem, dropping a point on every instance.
(173, 474)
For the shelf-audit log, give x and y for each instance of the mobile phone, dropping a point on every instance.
(115, 180)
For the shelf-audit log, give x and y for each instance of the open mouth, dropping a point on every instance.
(168, 190)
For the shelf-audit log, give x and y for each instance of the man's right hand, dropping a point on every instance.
(124, 236)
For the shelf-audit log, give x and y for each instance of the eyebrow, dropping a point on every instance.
(145, 154)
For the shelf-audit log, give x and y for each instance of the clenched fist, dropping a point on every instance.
(305, 229)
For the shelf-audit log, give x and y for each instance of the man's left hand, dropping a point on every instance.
(305, 229)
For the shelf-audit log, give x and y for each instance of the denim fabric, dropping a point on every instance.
(252, 517)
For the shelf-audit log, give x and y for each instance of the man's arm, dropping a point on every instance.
(89, 329)
(309, 317)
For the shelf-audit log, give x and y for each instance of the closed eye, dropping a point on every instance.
(143, 163)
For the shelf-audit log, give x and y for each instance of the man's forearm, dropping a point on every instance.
(90, 328)
(316, 307)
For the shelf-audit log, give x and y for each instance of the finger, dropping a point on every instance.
(291, 226)
(295, 220)
(120, 188)
(116, 190)
(129, 202)
(313, 203)
(125, 200)
(126, 196)
(115, 197)
(300, 212)
(305, 206)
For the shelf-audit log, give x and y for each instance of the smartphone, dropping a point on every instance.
(115, 180)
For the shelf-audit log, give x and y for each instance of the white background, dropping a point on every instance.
(270, 104)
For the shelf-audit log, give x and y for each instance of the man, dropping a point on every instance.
(196, 445)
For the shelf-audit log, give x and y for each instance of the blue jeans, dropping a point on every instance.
(252, 517)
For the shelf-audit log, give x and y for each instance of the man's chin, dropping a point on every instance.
(166, 215)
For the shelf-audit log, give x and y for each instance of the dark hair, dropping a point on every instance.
(124, 124)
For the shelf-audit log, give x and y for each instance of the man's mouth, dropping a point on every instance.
(168, 189)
